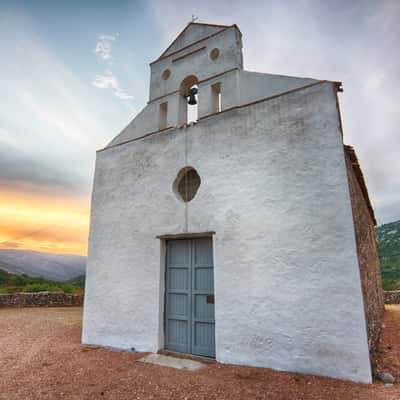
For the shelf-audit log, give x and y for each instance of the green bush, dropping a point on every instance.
(390, 284)
(19, 280)
(41, 287)
(78, 282)
(67, 288)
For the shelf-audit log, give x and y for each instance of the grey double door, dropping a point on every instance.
(190, 321)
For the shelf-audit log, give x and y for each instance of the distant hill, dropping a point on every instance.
(57, 267)
(16, 283)
(72, 268)
(388, 236)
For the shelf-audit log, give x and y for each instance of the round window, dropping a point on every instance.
(166, 74)
(187, 184)
(214, 54)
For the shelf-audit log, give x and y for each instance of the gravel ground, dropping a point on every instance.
(41, 358)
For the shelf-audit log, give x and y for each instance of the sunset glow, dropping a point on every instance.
(43, 223)
(75, 74)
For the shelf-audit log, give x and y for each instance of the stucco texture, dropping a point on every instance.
(275, 192)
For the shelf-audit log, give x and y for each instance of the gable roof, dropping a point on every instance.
(198, 31)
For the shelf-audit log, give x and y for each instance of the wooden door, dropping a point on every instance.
(190, 320)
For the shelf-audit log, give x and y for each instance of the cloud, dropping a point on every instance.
(301, 39)
(23, 170)
(8, 245)
(37, 221)
(51, 125)
(103, 50)
(108, 80)
(122, 95)
(7, 138)
(104, 46)
(108, 37)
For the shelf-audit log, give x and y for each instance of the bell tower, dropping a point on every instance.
(199, 67)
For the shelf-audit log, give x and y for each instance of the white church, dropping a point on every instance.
(223, 222)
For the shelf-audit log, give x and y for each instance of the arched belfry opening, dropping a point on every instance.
(188, 100)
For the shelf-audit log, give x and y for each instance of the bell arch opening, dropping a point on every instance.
(188, 100)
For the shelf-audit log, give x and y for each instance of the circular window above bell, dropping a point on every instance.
(186, 184)
(214, 54)
(166, 74)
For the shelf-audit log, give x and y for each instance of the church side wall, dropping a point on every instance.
(274, 190)
(368, 259)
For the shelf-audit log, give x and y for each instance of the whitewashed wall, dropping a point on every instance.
(274, 189)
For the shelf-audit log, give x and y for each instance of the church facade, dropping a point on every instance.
(230, 221)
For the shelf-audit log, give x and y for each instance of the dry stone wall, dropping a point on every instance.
(392, 297)
(367, 249)
(40, 299)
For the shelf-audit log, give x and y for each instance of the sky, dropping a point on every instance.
(75, 73)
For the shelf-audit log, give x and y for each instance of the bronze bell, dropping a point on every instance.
(192, 96)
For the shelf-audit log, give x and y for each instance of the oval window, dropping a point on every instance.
(166, 74)
(187, 184)
(214, 54)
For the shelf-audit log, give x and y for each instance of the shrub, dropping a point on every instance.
(42, 287)
(67, 288)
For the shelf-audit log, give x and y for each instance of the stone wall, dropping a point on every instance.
(364, 224)
(392, 297)
(40, 299)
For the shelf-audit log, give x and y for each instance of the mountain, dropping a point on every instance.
(17, 283)
(58, 267)
(388, 236)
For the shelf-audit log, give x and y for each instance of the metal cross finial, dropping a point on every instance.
(194, 18)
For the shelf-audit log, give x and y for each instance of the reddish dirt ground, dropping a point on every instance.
(41, 358)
